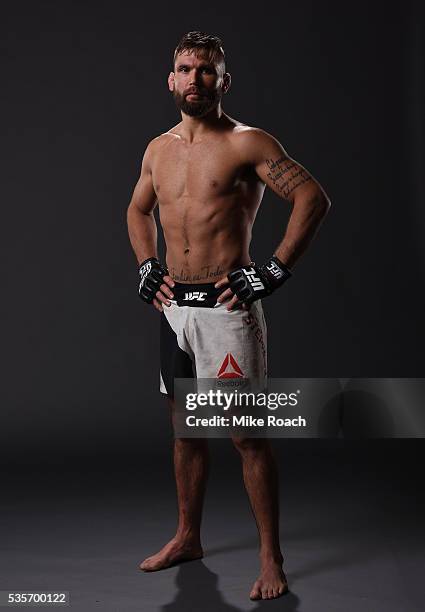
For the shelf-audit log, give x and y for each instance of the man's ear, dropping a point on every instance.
(227, 80)
(171, 81)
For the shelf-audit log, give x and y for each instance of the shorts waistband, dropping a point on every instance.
(199, 295)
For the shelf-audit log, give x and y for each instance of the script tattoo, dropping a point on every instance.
(286, 175)
(205, 272)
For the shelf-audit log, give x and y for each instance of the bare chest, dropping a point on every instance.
(197, 171)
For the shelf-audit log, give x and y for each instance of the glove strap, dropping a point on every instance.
(145, 267)
(276, 272)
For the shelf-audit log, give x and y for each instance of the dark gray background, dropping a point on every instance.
(85, 438)
(84, 90)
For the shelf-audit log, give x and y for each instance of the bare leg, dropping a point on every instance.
(262, 485)
(191, 467)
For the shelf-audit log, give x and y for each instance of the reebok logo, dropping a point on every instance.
(195, 295)
(256, 283)
(229, 368)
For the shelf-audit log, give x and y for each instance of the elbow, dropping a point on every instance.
(132, 215)
(130, 208)
(323, 204)
(132, 211)
(129, 214)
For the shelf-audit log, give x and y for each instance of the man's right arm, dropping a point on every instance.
(140, 219)
(141, 223)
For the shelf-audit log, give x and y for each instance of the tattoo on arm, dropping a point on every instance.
(286, 175)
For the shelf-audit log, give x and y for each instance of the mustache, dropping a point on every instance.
(193, 90)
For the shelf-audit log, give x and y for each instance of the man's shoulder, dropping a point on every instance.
(164, 138)
(249, 140)
(249, 134)
(154, 146)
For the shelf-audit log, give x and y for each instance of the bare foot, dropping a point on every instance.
(271, 583)
(176, 550)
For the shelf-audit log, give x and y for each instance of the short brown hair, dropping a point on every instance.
(199, 41)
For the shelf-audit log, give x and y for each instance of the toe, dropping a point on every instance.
(282, 589)
(147, 564)
(255, 593)
(146, 561)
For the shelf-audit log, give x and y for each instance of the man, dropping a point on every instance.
(208, 175)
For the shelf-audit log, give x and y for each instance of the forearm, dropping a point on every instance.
(306, 217)
(142, 231)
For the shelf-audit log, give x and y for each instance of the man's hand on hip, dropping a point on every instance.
(155, 283)
(228, 296)
(250, 283)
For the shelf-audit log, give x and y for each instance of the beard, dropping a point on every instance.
(198, 108)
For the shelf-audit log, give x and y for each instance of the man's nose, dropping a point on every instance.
(194, 77)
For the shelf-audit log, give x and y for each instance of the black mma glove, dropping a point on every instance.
(151, 278)
(252, 283)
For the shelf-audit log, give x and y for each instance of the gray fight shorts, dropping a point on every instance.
(200, 338)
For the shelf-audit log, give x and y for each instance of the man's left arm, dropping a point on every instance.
(292, 182)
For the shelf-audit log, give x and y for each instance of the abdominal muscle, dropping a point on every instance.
(203, 244)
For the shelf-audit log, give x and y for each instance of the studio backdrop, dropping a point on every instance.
(83, 92)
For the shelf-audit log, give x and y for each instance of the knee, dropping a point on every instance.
(250, 446)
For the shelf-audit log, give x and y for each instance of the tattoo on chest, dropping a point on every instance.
(286, 175)
(205, 272)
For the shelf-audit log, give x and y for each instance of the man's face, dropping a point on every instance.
(197, 83)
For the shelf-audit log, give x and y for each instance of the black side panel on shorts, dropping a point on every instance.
(175, 363)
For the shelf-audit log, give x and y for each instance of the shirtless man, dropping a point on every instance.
(208, 175)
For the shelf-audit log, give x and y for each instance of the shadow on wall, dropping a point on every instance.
(375, 408)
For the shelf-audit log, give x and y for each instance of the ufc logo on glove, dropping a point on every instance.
(256, 283)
